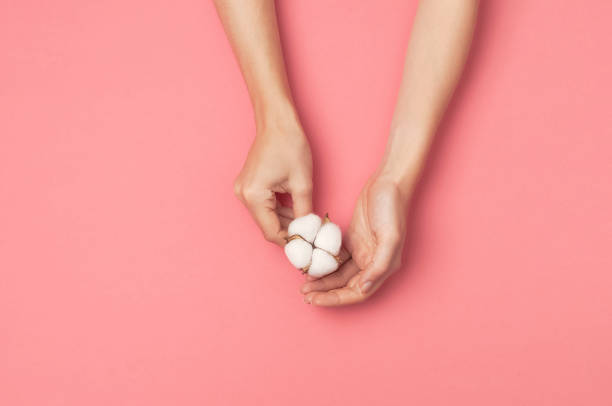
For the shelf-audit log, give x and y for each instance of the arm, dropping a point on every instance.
(279, 160)
(436, 54)
(438, 47)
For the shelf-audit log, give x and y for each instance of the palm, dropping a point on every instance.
(378, 219)
(375, 238)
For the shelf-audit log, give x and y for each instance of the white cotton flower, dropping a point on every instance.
(329, 238)
(306, 227)
(313, 245)
(299, 253)
(322, 263)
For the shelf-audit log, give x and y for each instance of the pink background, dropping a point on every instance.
(129, 274)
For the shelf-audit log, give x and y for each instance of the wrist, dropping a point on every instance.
(404, 157)
(403, 179)
(277, 114)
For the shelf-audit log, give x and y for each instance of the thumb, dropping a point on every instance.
(269, 223)
(379, 267)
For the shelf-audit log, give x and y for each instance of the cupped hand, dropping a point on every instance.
(375, 239)
(279, 161)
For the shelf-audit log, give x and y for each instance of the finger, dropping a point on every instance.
(284, 222)
(380, 265)
(335, 280)
(285, 215)
(343, 255)
(350, 294)
(347, 295)
(301, 195)
(284, 211)
(269, 223)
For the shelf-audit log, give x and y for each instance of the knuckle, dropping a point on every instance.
(249, 193)
(238, 189)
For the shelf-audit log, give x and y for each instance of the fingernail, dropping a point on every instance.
(305, 289)
(366, 286)
(306, 300)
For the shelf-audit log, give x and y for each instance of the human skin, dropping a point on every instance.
(438, 47)
(279, 160)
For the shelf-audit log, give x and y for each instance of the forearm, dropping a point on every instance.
(438, 47)
(252, 30)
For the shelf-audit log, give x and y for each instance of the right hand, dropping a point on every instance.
(279, 161)
(375, 239)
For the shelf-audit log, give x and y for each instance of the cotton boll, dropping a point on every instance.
(322, 263)
(313, 245)
(306, 227)
(329, 238)
(299, 253)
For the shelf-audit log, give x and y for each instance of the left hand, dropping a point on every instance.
(375, 238)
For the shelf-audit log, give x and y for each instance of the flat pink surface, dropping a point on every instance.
(129, 274)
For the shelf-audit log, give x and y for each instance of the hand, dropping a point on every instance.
(375, 239)
(439, 43)
(279, 161)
